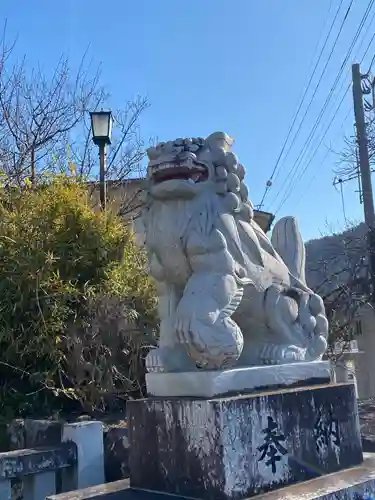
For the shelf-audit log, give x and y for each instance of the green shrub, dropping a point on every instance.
(76, 305)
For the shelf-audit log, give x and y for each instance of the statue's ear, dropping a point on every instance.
(220, 140)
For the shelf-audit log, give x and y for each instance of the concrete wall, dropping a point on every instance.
(359, 368)
(365, 362)
(345, 370)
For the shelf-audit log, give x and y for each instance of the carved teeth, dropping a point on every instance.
(164, 166)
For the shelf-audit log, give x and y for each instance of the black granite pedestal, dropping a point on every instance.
(236, 447)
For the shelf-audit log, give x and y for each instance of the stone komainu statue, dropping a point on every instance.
(228, 296)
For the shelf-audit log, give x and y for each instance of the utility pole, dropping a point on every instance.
(365, 171)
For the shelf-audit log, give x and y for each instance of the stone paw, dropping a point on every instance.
(154, 363)
(273, 354)
(317, 348)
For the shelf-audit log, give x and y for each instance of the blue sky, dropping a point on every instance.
(208, 65)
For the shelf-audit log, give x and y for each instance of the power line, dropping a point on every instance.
(356, 54)
(302, 194)
(287, 194)
(365, 35)
(293, 171)
(302, 100)
(373, 58)
(312, 178)
(321, 77)
(349, 110)
(290, 185)
(317, 87)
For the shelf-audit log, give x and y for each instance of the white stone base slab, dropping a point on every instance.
(208, 384)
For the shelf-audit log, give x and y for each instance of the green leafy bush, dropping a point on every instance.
(77, 308)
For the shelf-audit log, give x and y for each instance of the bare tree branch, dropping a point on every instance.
(45, 125)
(347, 164)
(338, 271)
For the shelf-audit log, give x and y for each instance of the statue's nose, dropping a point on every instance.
(186, 155)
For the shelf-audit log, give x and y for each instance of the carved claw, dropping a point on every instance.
(274, 354)
(292, 353)
(183, 326)
(297, 317)
(211, 346)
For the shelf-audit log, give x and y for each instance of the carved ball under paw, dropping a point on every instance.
(215, 347)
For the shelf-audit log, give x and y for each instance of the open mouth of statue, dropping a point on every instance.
(167, 172)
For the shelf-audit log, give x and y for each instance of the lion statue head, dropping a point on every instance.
(184, 168)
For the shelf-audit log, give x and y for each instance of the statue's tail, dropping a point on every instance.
(287, 241)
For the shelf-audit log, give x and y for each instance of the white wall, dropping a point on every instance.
(345, 370)
(365, 362)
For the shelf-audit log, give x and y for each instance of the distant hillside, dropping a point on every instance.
(327, 257)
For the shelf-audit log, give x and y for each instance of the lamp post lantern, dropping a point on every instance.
(101, 126)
